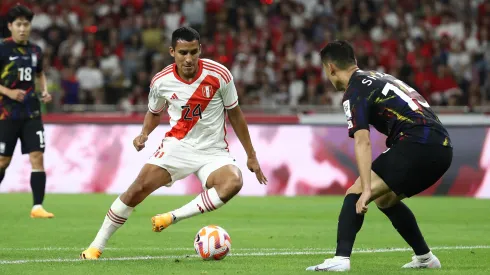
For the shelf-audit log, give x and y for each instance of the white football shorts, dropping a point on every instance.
(181, 160)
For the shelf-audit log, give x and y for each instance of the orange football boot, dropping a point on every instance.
(162, 221)
(39, 212)
(90, 253)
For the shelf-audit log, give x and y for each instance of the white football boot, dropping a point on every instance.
(333, 264)
(425, 261)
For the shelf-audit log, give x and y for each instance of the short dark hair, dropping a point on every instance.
(186, 34)
(19, 11)
(340, 53)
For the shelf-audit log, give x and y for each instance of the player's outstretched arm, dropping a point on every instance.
(363, 156)
(240, 127)
(150, 123)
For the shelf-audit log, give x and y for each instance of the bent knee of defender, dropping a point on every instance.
(386, 201)
(356, 188)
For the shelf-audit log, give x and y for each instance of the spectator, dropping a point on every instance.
(91, 82)
(440, 47)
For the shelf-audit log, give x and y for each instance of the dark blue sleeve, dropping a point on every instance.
(39, 65)
(356, 109)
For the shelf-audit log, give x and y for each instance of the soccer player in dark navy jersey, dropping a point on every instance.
(20, 107)
(419, 153)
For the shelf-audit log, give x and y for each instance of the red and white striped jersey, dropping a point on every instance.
(197, 107)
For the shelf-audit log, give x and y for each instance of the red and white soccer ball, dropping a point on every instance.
(212, 243)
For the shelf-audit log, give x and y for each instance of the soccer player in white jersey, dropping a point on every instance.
(198, 93)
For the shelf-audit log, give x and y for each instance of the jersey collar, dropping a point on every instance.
(198, 74)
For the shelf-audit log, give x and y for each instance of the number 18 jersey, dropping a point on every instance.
(197, 107)
(19, 66)
(393, 108)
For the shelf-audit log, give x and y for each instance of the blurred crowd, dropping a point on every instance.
(106, 51)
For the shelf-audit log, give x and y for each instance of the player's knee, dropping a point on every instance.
(137, 188)
(233, 184)
(356, 188)
(37, 160)
(385, 202)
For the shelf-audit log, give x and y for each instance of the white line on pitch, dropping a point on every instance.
(311, 252)
(50, 248)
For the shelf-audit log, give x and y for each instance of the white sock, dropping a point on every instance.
(115, 218)
(36, 206)
(207, 201)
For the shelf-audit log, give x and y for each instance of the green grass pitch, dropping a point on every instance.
(270, 235)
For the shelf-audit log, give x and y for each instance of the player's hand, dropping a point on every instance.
(46, 97)
(362, 203)
(139, 142)
(254, 166)
(17, 95)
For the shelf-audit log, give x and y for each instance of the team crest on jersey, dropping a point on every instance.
(347, 109)
(207, 91)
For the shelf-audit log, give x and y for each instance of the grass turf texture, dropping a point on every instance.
(270, 235)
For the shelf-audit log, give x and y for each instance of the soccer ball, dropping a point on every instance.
(212, 243)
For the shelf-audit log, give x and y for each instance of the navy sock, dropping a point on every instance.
(405, 223)
(349, 224)
(38, 186)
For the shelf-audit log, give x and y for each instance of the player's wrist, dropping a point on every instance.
(5, 91)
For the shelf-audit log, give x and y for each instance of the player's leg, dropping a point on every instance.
(425, 165)
(38, 185)
(33, 143)
(150, 178)
(405, 170)
(221, 179)
(405, 223)
(4, 163)
(8, 140)
(349, 224)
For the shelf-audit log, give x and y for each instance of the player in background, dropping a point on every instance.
(198, 93)
(20, 109)
(419, 153)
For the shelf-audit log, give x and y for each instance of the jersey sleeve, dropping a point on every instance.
(356, 109)
(229, 95)
(156, 103)
(39, 65)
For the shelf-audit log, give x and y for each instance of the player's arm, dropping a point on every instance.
(237, 121)
(363, 151)
(239, 124)
(15, 94)
(356, 109)
(45, 95)
(42, 80)
(156, 105)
